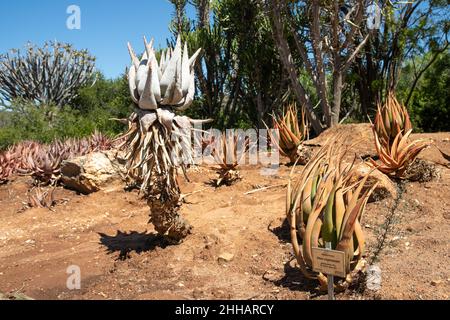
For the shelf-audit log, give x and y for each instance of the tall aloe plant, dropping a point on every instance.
(157, 137)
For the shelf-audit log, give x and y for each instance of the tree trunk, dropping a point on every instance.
(286, 59)
(260, 110)
(337, 96)
(166, 218)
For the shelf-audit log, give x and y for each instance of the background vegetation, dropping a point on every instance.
(243, 78)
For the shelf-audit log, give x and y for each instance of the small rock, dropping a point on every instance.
(435, 283)
(30, 241)
(271, 275)
(407, 244)
(409, 229)
(90, 173)
(385, 187)
(197, 294)
(208, 245)
(373, 278)
(181, 285)
(226, 257)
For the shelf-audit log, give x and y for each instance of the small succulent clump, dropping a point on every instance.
(41, 198)
(292, 133)
(392, 129)
(228, 152)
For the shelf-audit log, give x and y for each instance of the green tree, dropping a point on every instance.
(239, 78)
(105, 100)
(408, 31)
(93, 109)
(430, 103)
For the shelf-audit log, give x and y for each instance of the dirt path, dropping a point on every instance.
(106, 234)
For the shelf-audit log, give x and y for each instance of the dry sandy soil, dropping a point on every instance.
(106, 234)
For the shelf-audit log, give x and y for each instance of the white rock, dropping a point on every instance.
(385, 188)
(90, 173)
(225, 257)
(373, 278)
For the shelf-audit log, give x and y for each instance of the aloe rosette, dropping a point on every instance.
(325, 204)
(392, 129)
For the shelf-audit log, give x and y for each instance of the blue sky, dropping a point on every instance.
(106, 26)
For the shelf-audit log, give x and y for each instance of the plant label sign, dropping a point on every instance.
(330, 262)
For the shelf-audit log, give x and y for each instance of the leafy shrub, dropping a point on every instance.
(429, 107)
(431, 104)
(92, 110)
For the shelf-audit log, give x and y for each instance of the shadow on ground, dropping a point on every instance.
(294, 280)
(282, 232)
(125, 243)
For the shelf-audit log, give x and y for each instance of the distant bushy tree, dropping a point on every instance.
(93, 109)
(430, 103)
(48, 75)
(109, 98)
(240, 79)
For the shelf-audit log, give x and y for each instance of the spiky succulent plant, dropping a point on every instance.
(99, 142)
(392, 129)
(6, 169)
(391, 119)
(324, 205)
(41, 198)
(292, 132)
(45, 167)
(228, 151)
(171, 82)
(157, 138)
